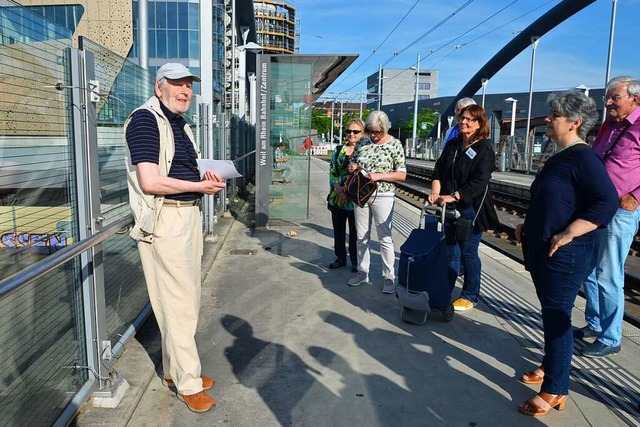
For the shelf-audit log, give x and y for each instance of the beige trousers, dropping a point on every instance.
(171, 265)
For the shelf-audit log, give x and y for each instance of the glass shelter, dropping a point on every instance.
(286, 87)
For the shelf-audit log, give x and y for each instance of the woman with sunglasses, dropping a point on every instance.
(571, 197)
(342, 208)
(461, 178)
(381, 158)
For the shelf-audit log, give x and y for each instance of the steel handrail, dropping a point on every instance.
(45, 265)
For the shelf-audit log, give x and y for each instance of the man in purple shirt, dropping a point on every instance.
(618, 144)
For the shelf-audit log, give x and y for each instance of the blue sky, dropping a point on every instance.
(572, 54)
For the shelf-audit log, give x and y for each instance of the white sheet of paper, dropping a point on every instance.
(224, 168)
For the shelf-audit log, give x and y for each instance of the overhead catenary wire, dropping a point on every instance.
(449, 42)
(438, 25)
(374, 51)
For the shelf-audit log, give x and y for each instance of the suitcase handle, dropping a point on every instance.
(442, 211)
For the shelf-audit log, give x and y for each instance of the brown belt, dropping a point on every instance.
(181, 203)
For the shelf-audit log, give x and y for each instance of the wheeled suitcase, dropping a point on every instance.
(422, 276)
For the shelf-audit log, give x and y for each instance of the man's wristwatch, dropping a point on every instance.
(456, 198)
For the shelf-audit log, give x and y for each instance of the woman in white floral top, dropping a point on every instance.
(381, 157)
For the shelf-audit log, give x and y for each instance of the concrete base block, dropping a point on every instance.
(211, 238)
(111, 397)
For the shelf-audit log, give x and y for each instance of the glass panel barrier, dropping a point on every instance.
(290, 125)
(123, 87)
(42, 353)
(42, 357)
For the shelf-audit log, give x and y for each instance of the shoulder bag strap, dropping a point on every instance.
(481, 203)
(607, 153)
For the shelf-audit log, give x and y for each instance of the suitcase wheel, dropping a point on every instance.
(447, 313)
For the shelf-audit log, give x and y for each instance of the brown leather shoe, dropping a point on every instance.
(199, 402)
(207, 382)
(533, 377)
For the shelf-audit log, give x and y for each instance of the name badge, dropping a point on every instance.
(471, 153)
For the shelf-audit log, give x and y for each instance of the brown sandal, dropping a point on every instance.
(533, 377)
(543, 403)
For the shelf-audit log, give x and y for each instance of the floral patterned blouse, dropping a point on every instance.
(380, 158)
(338, 173)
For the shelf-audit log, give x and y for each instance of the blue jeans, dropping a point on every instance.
(557, 280)
(467, 253)
(604, 288)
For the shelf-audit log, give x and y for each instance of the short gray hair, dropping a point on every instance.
(633, 87)
(378, 119)
(464, 102)
(574, 105)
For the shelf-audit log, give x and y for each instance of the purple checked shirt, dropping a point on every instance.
(623, 165)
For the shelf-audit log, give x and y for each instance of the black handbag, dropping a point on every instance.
(359, 188)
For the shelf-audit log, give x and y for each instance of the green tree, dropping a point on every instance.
(355, 115)
(320, 122)
(427, 116)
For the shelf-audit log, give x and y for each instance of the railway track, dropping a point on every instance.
(511, 210)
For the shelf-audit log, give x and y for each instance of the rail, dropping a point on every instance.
(45, 265)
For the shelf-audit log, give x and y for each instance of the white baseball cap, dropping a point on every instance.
(175, 71)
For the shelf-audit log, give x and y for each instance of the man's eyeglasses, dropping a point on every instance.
(353, 131)
(614, 98)
(376, 132)
(467, 119)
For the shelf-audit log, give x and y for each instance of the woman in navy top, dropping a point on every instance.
(571, 198)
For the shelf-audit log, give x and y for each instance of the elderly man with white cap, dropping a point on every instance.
(165, 189)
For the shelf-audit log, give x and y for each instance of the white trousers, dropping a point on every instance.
(171, 265)
(379, 211)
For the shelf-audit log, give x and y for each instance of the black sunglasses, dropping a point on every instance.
(353, 131)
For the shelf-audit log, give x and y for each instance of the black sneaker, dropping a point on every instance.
(337, 264)
(585, 334)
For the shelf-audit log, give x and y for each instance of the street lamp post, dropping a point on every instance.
(241, 77)
(584, 89)
(341, 115)
(609, 55)
(438, 138)
(415, 106)
(361, 102)
(512, 132)
(528, 145)
(331, 129)
(379, 86)
(484, 82)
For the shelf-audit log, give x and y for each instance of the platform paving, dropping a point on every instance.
(289, 343)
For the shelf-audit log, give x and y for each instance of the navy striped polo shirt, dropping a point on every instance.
(143, 139)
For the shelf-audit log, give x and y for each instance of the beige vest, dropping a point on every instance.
(146, 207)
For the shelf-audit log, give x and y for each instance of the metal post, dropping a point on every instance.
(439, 136)
(379, 86)
(90, 222)
(206, 116)
(484, 88)
(143, 35)
(253, 99)
(415, 106)
(512, 132)
(332, 118)
(234, 45)
(361, 102)
(527, 148)
(612, 30)
(341, 117)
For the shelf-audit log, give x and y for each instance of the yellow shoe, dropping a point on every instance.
(462, 304)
